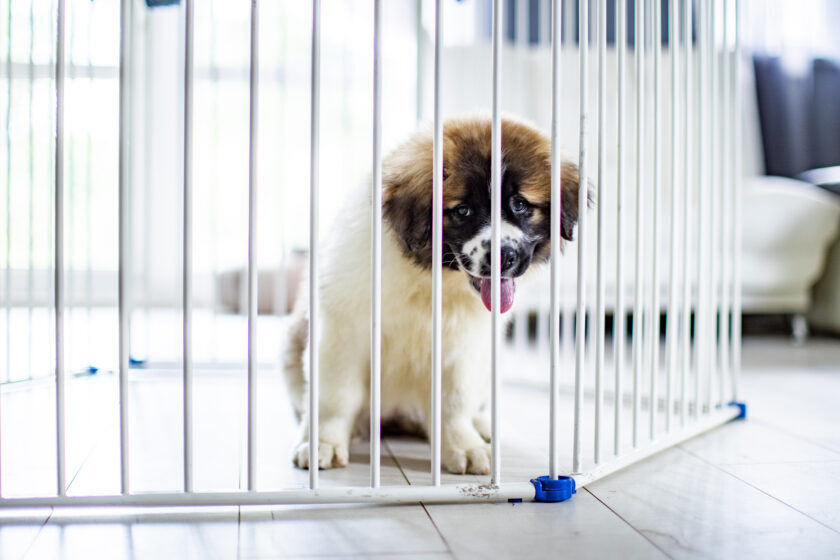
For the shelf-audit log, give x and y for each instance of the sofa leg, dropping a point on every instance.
(799, 329)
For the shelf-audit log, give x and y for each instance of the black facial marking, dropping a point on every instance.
(473, 171)
(525, 204)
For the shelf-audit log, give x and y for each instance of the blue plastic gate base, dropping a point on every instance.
(156, 3)
(548, 490)
(137, 363)
(742, 406)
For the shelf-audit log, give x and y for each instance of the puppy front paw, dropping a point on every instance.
(483, 426)
(475, 460)
(330, 455)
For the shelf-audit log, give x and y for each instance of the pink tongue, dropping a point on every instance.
(505, 296)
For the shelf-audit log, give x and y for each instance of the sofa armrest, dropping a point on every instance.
(788, 226)
(827, 178)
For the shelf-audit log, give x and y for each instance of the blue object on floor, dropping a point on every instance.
(742, 406)
(135, 362)
(157, 3)
(92, 369)
(548, 490)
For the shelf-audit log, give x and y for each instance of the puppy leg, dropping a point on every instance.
(463, 449)
(481, 421)
(341, 396)
(334, 429)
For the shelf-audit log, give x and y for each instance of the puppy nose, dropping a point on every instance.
(510, 259)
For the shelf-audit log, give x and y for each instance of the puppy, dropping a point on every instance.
(344, 285)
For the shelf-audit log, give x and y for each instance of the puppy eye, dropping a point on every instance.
(518, 205)
(463, 210)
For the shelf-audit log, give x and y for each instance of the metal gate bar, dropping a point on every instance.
(124, 202)
(437, 250)
(716, 348)
(314, 323)
(59, 253)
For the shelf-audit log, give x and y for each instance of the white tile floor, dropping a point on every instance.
(768, 487)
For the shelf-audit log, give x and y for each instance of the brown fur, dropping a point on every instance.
(408, 177)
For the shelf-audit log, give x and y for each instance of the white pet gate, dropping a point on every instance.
(653, 402)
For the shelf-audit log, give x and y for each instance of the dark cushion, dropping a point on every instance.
(826, 113)
(783, 108)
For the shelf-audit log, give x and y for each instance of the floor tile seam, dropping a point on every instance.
(627, 522)
(796, 435)
(103, 435)
(760, 463)
(438, 531)
(238, 532)
(765, 492)
(425, 509)
(390, 452)
(37, 534)
(348, 555)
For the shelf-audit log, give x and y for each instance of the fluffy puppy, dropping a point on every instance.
(344, 285)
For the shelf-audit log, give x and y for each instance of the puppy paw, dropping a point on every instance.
(330, 455)
(475, 460)
(482, 426)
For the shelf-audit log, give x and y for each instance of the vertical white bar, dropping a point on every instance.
(556, 216)
(315, 137)
(580, 334)
(30, 304)
(600, 289)
(148, 135)
(420, 60)
(725, 209)
(253, 136)
(570, 20)
(59, 250)
(8, 287)
(737, 203)
(495, 244)
(700, 334)
(124, 247)
(568, 318)
(187, 249)
(89, 224)
(620, 318)
(437, 248)
(688, 179)
(522, 23)
(8, 299)
(376, 261)
(638, 307)
(657, 211)
(714, 194)
(671, 323)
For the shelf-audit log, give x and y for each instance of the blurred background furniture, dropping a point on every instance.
(799, 110)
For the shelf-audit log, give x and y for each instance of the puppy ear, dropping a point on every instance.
(570, 179)
(407, 196)
(411, 218)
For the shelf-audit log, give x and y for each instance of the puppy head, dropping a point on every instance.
(526, 200)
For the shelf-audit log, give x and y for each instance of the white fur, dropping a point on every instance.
(344, 345)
